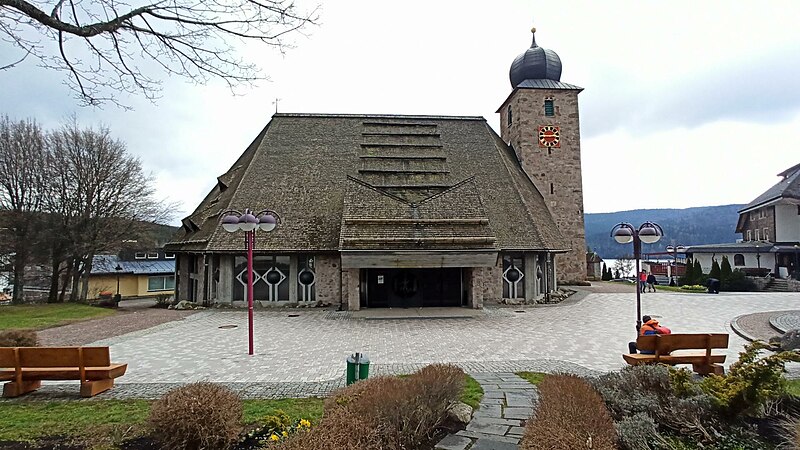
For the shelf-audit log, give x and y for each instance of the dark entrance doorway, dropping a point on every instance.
(411, 288)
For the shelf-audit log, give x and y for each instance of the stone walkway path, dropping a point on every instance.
(498, 424)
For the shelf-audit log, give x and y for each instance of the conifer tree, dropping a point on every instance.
(725, 272)
(697, 273)
(715, 270)
(688, 275)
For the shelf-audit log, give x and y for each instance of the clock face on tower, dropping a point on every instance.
(550, 136)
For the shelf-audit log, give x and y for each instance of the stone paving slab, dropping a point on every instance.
(490, 444)
(453, 442)
(490, 437)
(313, 346)
(786, 321)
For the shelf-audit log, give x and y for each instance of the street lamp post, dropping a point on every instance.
(758, 259)
(675, 249)
(649, 233)
(233, 221)
(119, 270)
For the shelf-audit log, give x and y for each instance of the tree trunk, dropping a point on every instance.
(55, 275)
(76, 279)
(19, 277)
(87, 269)
(65, 281)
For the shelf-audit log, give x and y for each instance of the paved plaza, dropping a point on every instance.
(589, 334)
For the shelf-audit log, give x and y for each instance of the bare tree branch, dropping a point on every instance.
(106, 52)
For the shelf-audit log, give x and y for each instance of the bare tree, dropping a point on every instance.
(106, 47)
(23, 157)
(102, 196)
(624, 265)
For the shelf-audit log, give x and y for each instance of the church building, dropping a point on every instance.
(401, 211)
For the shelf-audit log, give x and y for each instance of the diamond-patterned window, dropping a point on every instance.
(513, 274)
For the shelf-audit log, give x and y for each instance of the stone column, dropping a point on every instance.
(200, 275)
(476, 286)
(530, 277)
(293, 279)
(183, 276)
(350, 289)
(225, 286)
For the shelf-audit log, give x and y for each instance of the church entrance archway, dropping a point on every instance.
(412, 288)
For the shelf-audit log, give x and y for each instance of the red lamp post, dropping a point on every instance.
(233, 221)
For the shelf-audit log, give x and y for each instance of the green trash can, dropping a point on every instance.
(357, 367)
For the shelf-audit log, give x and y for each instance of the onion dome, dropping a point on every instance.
(536, 63)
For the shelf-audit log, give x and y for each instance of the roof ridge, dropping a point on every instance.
(378, 190)
(378, 116)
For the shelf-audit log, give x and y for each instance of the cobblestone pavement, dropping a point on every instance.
(589, 334)
(786, 321)
(132, 315)
(498, 423)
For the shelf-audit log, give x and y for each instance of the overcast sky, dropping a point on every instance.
(686, 103)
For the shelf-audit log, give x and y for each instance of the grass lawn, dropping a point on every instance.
(49, 315)
(793, 386)
(473, 392)
(532, 377)
(112, 419)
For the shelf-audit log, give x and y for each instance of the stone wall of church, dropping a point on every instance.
(556, 172)
(328, 278)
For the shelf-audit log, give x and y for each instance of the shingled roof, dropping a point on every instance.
(787, 188)
(377, 182)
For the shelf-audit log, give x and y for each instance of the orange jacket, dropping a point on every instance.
(651, 327)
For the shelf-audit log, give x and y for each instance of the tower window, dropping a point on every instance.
(551, 188)
(508, 115)
(549, 109)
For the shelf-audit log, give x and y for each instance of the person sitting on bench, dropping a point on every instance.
(649, 326)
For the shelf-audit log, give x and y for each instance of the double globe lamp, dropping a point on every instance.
(233, 221)
(649, 233)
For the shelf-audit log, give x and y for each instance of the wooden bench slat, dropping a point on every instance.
(25, 367)
(694, 349)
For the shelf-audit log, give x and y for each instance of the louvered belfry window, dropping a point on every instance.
(549, 109)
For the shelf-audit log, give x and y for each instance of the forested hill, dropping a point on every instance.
(690, 226)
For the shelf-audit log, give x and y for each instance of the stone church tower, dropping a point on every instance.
(539, 120)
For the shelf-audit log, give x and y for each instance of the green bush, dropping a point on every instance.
(738, 282)
(18, 338)
(197, 416)
(571, 415)
(639, 432)
(649, 390)
(751, 382)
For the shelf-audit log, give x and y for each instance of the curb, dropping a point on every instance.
(740, 331)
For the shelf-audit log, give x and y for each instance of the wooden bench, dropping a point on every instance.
(694, 349)
(24, 368)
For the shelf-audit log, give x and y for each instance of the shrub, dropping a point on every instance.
(340, 429)
(751, 383)
(385, 412)
(639, 432)
(197, 416)
(571, 415)
(738, 282)
(273, 428)
(693, 288)
(18, 338)
(650, 390)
